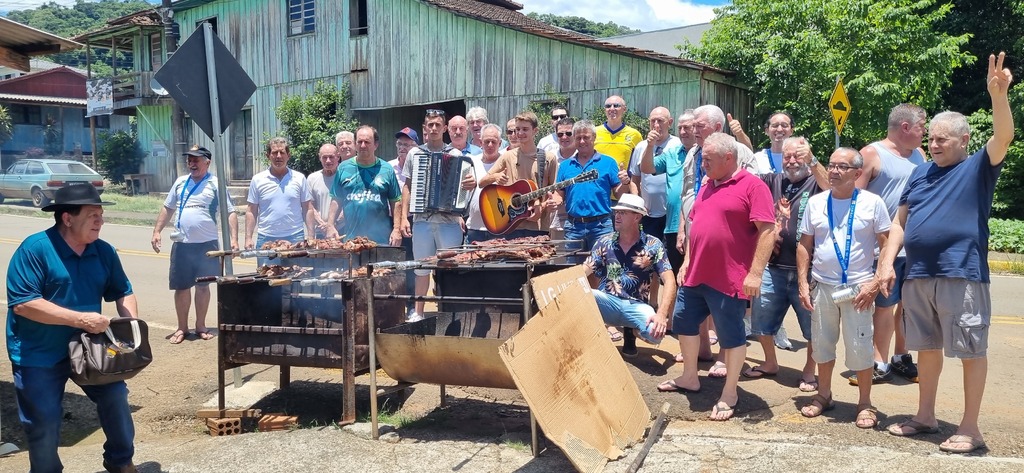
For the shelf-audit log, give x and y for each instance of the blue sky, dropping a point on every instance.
(645, 15)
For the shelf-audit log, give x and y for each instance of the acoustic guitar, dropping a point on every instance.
(504, 207)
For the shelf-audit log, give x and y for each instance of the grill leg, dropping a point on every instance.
(534, 445)
(286, 376)
(442, 396)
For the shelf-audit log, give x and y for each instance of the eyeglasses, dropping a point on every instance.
(433, 112)
(563, 134)
(559, 117)
(510, 132)
(613, 105)
(840, 167)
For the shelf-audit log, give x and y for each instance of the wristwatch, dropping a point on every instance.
(814, 162)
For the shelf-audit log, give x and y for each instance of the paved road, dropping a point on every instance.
(767, 435)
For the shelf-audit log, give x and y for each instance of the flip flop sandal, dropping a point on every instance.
(900, 430)
(760, 373)
(866, 413)
(671, 386)
(808, 386)
(719, 408)
(615, 336)
(972, 444)
(204, 335)
(824, 404)
(177, 337)
(712, 372)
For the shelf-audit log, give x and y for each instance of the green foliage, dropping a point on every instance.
(53, 137)
(119, 154)
(1006, 236)
(583, 25)
(967, 92)
(82, 17)
(543, 108)
(311, 120)
(1009, 198)
(6, 124)
(633, 119)
(791, 53)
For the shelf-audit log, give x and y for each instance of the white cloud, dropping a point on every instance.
(647, 15)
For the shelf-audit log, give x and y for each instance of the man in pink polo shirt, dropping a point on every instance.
(731, 237)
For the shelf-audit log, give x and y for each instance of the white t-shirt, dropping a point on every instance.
(197, 219)
(652, 187)
(398, 171)
(766, 159)
(870, 218)
(475, 221)
(548, 143)
(280, 203)
(321, 192)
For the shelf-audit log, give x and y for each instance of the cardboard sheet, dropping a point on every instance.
(573, 378)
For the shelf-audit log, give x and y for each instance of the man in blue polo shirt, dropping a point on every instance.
(57, 281)
(587, 203)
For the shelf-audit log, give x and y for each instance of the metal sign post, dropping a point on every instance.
(218, 161)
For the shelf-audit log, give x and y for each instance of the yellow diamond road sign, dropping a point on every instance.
(839, 104)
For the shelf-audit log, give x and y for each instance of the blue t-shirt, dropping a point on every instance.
(365, 194)
(45, 267)
(946, 234)
(591, 198)
(670, 162)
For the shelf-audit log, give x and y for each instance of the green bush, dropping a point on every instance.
(312, 120)
(1006, 236)
(119, 154)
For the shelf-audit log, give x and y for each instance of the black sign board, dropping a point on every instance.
(184, 76)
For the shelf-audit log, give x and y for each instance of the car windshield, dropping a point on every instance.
(69, 168)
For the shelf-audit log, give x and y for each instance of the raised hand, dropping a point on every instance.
(999, 78)
(734, 125)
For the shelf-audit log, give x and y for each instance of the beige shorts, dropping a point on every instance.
(950, 314)
(857, 330)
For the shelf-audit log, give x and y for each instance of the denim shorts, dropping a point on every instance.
(779, 292)
(693, 304)
(428, 237)
(899, 266)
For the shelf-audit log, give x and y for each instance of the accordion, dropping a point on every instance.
(436, 183)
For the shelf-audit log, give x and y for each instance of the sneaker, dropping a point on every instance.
(629, 343)
(782, 339)
(904, 366)
(878, 377)
(413, 317)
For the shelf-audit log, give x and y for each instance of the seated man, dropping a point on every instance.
(626, 261)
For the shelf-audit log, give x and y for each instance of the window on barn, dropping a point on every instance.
(357, 20)
(102, 121)
(301, 17)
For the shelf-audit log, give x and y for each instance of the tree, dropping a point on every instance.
(6, 125)
(312, 120)
(583, 25)
(1009, 198)
(53, 137)
(791, 53)
(994, 26)
(119, 154)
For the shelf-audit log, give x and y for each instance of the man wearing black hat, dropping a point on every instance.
(57, 281)
(192, 201)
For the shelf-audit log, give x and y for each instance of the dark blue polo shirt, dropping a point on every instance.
(591, 198)
(45, 267)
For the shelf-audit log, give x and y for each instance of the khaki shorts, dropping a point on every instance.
(857, 329)
(950, 314)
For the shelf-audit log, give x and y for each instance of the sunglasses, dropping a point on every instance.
(510, 132)
(613, 105)
(433, 112)
(559, 117)
(563, 134)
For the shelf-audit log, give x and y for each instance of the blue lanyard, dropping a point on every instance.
(771, 162)
(844, 261)
(699, 173)
(184, 198)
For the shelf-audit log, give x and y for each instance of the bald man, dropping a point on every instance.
(615, 138)
(653, 187)
(458, 131)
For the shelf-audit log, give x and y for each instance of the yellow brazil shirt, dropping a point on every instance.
(618, 145)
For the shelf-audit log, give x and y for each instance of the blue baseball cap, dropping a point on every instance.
(410, 133)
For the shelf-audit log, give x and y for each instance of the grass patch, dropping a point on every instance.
(1014, 265)
(517, 445)
(146, 204)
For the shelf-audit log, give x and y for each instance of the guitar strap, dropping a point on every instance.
(542, 161)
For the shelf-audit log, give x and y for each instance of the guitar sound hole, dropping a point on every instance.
(514, 201)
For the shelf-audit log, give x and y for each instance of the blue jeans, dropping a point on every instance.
(779, 292)
(429, 237)
(261, 239)
(40, 392)
(625, 313)
(587, 233)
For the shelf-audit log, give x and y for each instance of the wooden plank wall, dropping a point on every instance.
(417, 54)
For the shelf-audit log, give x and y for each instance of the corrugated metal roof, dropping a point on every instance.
(662, 41)
(30, 41)
(41, 99)
(503, 16)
